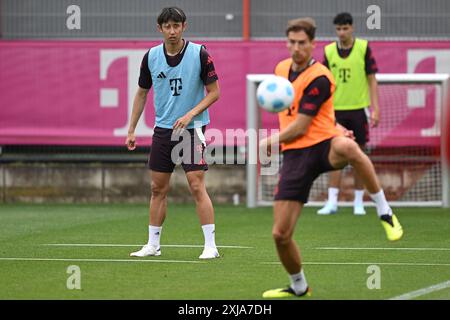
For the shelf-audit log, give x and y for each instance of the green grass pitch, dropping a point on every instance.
(337, 251)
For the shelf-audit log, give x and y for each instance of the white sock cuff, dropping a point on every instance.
(207, 227)
(333, 194)
(154, 228)
(333, 190)
(300, 275)
(381, 203)
(298, 282)
(209, 234)
(359, 196)
(375, 196)
(154, 235)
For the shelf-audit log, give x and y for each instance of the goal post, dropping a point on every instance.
(408, 148)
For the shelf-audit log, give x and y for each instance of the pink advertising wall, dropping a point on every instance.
(80, 93)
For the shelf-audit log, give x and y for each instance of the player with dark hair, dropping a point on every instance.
(353, 66)
(179, 72)
(312, 143)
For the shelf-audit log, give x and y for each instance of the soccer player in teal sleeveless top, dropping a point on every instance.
(179, 71)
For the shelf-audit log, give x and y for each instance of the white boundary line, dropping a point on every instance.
(371, 263)
(135, 245)
(423, 291)
(362, 248)
(97, 260)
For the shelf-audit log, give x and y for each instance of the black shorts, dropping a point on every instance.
(187, 149)
(355, 120)
(300, 168)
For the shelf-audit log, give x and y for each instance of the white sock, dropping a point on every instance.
(333, 194)
(381, 203)
(154, 235)
(359, 195)
(209, 234)
(298, 282)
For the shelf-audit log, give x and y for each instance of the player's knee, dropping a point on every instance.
(351, 150)
(159, 191)
(197, 187)
(280, 237)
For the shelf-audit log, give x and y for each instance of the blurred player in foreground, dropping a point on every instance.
(353, 66)
(312, 143)
(179, 72)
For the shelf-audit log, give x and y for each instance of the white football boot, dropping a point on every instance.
(147, 250)
(329, 208)
(209, 253)
(359, 210)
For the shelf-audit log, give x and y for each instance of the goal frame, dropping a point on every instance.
(254, 120)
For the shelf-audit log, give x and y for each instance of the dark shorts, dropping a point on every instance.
(187, 149)
(355, 120)
(299, 169)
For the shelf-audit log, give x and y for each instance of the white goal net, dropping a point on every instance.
(407, 148)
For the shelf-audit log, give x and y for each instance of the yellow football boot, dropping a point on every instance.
(393, 228)
(285, 293)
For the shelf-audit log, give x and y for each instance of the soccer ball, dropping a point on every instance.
(275, 94)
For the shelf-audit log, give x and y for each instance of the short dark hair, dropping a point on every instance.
(343, 18)
(171, 13)
(308, 25)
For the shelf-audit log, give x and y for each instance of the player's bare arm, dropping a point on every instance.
(373, 90)
(138, 107)
(296, 129)
(213, 94)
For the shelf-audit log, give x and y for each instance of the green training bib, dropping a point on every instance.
(352, 87)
